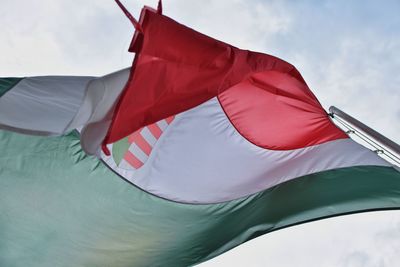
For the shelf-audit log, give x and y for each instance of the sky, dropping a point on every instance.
(347, 51)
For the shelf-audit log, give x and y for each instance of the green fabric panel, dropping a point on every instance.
(119, 149)
(60, 208)
(7, 83)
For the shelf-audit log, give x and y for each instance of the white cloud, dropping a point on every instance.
(361, 79)
(63, 37)
(92, 37)
(233, 21)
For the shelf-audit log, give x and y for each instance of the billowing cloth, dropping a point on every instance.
(206, 146)
(177, 68)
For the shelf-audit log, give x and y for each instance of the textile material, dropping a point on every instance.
(223, 165)
(55, 105)
(7, 83)
(96, 111)
(62, 208)
(42, 105)
(177, 68)
(217, 145)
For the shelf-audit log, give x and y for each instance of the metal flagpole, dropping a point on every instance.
(377, 139)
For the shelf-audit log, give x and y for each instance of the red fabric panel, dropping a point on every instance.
(276, 111)
(177, 68)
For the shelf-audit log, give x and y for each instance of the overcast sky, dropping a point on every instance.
(347, 51)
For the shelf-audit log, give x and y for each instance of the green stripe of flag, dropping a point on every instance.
(7, 83)
(60, 207)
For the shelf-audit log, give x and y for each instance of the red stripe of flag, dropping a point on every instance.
(155, 130)
(132, 160)
(133, 137)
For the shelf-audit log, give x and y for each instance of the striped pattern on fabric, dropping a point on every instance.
(141, 144)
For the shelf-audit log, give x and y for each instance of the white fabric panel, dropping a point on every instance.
(97, 109)
(201, 158)
(42, 105)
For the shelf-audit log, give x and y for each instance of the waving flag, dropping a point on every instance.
(206, 146)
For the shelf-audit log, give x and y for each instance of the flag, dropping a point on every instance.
(192, 169)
